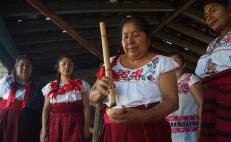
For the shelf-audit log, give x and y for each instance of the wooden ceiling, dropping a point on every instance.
(178, 25)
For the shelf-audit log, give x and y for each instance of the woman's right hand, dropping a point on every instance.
(44, 136)
(100, 89)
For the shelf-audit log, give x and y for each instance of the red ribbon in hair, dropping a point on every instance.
(71, 85)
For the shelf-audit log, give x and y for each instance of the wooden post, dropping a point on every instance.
(64, 26)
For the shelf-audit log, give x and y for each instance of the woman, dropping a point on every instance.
(21, 104)
(185, 121)
(145, 86)
(214, 67)
(66, 106)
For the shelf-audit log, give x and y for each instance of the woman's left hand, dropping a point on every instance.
(131, 115)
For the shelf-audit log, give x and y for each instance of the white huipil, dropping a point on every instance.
(185, 121)
(135, 87)
(217, 57)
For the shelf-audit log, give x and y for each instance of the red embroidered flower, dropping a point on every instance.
(136, 75)
(71, 85)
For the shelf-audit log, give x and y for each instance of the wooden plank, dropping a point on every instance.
(57, 36)
(96, 124)
(7, 42)
(195, 14)
(81, 7)
(188, 58)
(180, 43)
(64, 26)
(78, 23)
(174, 15)
(190, 32)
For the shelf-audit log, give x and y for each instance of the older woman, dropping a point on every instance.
(21, 104)
(214, 67)
(145, 88)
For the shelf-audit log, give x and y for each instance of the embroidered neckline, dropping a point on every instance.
(71, 85)
(139, 68)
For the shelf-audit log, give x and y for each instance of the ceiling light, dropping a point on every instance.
(47, 18)
(19, 20)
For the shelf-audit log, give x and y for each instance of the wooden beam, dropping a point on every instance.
(84, 57)
(97, 122)
(80, 62)
(180, 43)
(174, 15)
(64, 26)
(45, 70)
(85, 74)
(78, 23)
(190, 32)
(189, 58)
(56, 36)
(5, 58)
(77, 7)
(7, 42)
(195, 14)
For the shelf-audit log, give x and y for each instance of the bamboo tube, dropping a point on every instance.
(107, 64)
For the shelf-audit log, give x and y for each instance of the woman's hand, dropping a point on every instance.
(44, 136)
(100, 89)
(130, 115)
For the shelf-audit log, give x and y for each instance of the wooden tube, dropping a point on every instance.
(107, 64)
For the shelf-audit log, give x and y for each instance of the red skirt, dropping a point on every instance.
(13, 127)
(10, 122)
(66, 122)
(216, 109)
(154, 131)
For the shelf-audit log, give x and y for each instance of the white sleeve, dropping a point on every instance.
(167, 64)
(46, 89)
(2, 82)
(193, 79)
(85, 87)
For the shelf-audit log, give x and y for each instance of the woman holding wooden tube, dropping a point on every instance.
(145, 87)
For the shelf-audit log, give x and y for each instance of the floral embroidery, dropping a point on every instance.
(151, 78)
(71, 85)
(210, 67)
(226, 41)
(183, 87)
(123, 74)
(136, 75)
(139, 74)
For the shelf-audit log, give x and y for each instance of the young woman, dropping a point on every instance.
(185, 121)
(214, 67)
(66, 106)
